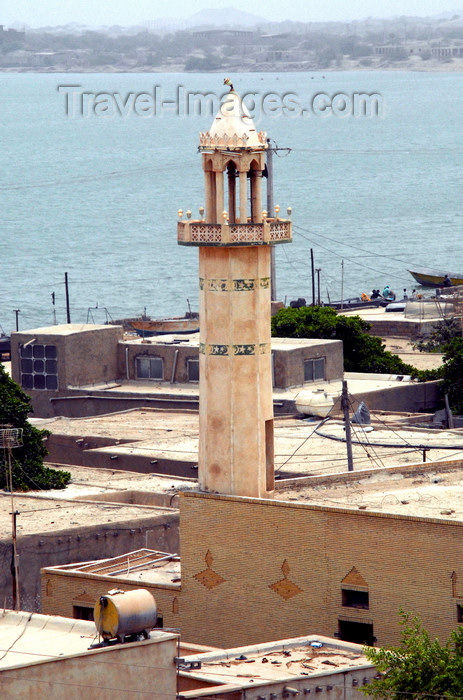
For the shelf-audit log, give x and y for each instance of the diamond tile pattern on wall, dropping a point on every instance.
(284, 587)
(208, 577)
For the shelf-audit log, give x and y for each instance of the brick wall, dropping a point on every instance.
(256, 570)
(62, 589)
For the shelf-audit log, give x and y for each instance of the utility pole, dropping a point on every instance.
(271, 211)
(342, 284)
(54, 309)
(345, 408)
(17, 311)
(313, 277)
(318, 270)
(66, 285)
(9, 438)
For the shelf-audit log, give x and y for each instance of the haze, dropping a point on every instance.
(130, 12)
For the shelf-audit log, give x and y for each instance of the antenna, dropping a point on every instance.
(9, 438)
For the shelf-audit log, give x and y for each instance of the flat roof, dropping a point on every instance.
(55, 512)
(283, 660)
(27, 638)
(142, 565)
(64, 329)
(426, 490)
(192, 340)
(299, 449)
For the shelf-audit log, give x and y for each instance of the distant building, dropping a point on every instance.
(71, 590)
(58, 364)
(11, 36)
(287, 668)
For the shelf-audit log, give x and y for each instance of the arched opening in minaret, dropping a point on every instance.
(256, 191)
(230, 187)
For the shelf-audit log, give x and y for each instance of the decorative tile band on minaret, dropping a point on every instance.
(236, 398)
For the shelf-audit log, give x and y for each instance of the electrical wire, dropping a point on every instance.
(345, 257)
(303, 442)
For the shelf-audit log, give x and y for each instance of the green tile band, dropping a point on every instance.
(237, 349)
(236, 285)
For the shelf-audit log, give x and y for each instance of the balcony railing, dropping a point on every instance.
(200, 233)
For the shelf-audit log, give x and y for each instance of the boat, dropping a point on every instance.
(182, 325)
(428, 277)
(5, 343)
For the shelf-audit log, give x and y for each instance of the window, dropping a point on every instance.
(82, 612)
(356, 632)
(314, 369)
(193, 370)
(39, 367)
(459, 612)
(355, 599)
(149, 367)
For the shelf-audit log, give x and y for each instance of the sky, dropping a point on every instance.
(37, 13)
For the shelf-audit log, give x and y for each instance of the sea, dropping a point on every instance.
(94, 168)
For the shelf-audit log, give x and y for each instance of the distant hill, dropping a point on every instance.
(225, 17)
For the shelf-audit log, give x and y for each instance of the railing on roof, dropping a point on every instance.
(200, 233)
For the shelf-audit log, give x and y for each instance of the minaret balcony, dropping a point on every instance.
(199, 233)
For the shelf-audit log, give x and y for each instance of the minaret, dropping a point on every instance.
(234, 239)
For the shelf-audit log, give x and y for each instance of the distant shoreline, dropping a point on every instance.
(411, 66)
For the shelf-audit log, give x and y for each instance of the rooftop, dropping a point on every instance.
(143, 565)
(54, 512)
(301, 446)
(427, 490)
(285, 660)
(64, 329)
(27, 638)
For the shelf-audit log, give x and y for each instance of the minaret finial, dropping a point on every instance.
(227, 81)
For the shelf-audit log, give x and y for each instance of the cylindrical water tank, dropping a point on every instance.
(119, 613)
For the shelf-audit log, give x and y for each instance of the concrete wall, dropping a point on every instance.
(288, 361)
(160, 532)
(252, 544)
(152, 348)
(141, 669)
(61, 588)
(86, 452)
(85, 355)
(341, 685)
(408, 397)
(289, 364)
(76, 403)
(400, 328)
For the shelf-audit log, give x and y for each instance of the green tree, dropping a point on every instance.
(442, 333)
(362, 352)
(453, 373)
(28, 469)
(420, 667)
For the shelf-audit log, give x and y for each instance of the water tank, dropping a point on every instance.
(121, 613)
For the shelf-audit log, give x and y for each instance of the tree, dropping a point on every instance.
(28, 469)
(453, 373)
(441, 334)
(420, 667)
(362, 352)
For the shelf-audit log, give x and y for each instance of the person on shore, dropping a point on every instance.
(405, 295)
(388, 294)
(447, 281)
(375, 294)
